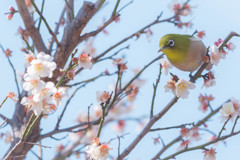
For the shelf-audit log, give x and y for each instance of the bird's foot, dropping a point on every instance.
(192, 79)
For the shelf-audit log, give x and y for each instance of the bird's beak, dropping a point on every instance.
(161, 49)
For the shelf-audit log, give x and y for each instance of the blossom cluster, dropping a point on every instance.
(189, 135)
(120, 63)
(179, 87)
(181, 9)
(84, 60)
(204, 102)
(11, 13)
(216, 54)
(98, 151)
(43, 97)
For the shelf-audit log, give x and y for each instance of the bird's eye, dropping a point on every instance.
(171, 43)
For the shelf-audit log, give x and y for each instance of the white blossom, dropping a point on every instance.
(182, 87)
(42, 66)
(32, 84)
(166, 65)
(28, 59)
(227, 109)
(98, 151)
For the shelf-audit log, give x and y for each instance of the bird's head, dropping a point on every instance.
(175, 46)
(167, 41)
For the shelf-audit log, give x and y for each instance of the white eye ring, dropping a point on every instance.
(171, 43)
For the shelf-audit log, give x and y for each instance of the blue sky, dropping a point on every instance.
(216, 17)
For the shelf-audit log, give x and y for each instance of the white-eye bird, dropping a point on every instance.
(185, 52)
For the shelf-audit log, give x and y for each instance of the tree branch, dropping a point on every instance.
(30, 27)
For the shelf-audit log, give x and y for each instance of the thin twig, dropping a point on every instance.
(223, 127)
(89, 114)
(140, 31)
(202, 146)
(56, 29)
(27, 126)
(155, 90)
(65, 107)
(9, 121)
(199, 123)
(28, 46)
(4, 100)
(14, 74)
(89, 80)
(35, 154)
(15, 77)
(115, 8)
(125, 6)
(225, 41)
(172, 127)
(114, 54)
(234, 125)
(38, 144)
(40, 20)
(71, 10)
(44, 20)
(3, 122)
(104, 107)
(118, 145)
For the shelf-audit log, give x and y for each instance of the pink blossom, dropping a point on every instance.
(201, 34)
(11, 9)
(12, 12)
(185, 132)
(156, 140)
(194, 134)
(13, 96)
(23, 33)
(204, 101)
(97, 111)
(10, 16)
(102, 97)
(119, 127)
(166, 65)
(8, 53)
(85, 61)
(215, 55)
(118, 61)
(88, 47)
(8, 137)
(236, 106)
(171, 85)
(60, 147)
(149, 33)
(230, 46)
(209, 154)
(184, 144)
(218, 42)
(209, 80)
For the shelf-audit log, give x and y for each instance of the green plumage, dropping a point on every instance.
(186, 53)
